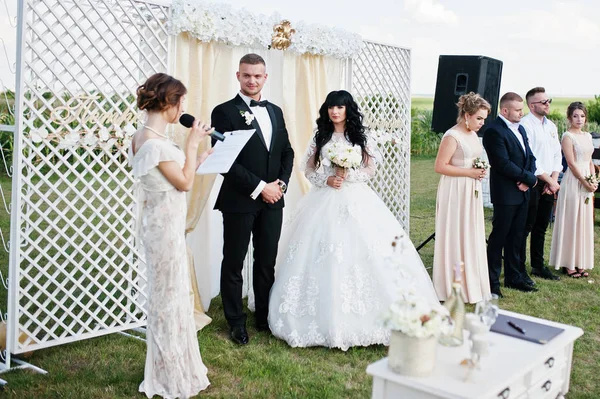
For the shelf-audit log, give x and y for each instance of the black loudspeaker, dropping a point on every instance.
(460, 74)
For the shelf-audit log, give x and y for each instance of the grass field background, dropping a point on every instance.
(559, 104)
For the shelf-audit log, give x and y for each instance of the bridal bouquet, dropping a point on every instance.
(344, 155)
(479, 163)
(591, 179)
(416, 317)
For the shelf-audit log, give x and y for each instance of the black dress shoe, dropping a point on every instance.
(544, 273)
(498, 292)
(239, 335)
(528, 281)
(263, 327)
(521, 286)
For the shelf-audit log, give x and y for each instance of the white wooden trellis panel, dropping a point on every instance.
(74, 269)
(381, 86)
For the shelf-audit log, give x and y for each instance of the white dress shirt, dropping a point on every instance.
(543, 140)
(514, 127)
(264, 121)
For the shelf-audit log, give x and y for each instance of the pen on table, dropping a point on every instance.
(516, 327)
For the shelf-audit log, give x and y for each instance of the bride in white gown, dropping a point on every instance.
(336, 274)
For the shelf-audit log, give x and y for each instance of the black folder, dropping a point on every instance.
(534, 332)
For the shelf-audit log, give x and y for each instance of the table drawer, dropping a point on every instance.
(552, 362)
(548, 387)
(513, 390)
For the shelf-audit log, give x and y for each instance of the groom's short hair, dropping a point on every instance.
(252, 59)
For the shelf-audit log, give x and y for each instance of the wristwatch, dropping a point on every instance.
(282, 186)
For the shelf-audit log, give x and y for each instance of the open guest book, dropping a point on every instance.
(524, 329)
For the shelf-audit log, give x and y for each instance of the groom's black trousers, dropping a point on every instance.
(265, 227)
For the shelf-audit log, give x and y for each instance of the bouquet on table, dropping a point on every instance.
(591, 179)
(343, 155)
(479, 163)
(415, 317)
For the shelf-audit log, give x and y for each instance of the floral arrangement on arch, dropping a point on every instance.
(207, 21)
(416, 317)
(101, 138)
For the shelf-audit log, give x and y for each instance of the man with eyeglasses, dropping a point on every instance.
(544, 143)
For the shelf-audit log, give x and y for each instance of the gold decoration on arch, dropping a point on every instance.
(282, 35)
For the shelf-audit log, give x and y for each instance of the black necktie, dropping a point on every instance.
(254, 103)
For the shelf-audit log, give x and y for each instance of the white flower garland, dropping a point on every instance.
(220, 22)
(103, 138)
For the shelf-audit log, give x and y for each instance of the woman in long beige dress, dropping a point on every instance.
(573, 235)
(174, 367)
(459, 223)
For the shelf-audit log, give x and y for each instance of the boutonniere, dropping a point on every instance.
(249, 116)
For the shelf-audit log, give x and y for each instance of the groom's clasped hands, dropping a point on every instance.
(272, 192)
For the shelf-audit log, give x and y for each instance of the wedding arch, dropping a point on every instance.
(74, 271)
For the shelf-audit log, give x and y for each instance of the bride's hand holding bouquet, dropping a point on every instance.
(342, 157)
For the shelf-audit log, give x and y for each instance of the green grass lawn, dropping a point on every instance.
(559, 104)
(113, 366)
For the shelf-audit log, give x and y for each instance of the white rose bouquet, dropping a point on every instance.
(343, 155)
(415, 317)
(593, 180)
(479, 163)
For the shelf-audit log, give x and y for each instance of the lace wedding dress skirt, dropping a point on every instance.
(174, 368)
(338, 271)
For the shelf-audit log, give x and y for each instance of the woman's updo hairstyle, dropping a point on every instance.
(470, 103)
(159, 92)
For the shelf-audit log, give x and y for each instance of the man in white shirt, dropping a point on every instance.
(543, 140)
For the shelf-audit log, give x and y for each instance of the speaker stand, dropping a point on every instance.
(431, 237)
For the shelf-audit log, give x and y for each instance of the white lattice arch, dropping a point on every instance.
(381, 85)
(74, 270)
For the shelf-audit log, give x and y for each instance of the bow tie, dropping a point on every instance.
(254, 103)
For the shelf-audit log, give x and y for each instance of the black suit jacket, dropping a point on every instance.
(255, 162)
(509, 163)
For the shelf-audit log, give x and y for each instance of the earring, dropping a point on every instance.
(467, 124)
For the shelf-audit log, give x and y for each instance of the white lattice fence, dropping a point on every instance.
(381, 86)
(74, 270)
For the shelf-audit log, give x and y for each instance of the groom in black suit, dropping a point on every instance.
(251, 197)
(511, 178)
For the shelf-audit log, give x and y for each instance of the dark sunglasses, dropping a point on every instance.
(548, 101)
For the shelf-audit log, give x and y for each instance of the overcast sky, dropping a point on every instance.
(548, 43)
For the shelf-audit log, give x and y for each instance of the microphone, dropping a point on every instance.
(187, 120)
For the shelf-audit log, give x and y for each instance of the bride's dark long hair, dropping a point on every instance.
(354, 129)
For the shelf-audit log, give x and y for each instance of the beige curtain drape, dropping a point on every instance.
(298, 83)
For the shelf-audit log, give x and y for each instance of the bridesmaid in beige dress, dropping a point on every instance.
(573, 235)
(459, 224)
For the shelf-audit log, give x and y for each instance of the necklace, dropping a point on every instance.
(153, 130)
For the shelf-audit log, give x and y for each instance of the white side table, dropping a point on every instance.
(514, 369)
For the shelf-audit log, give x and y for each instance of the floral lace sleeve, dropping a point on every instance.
(368, 170)
(316, 176)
